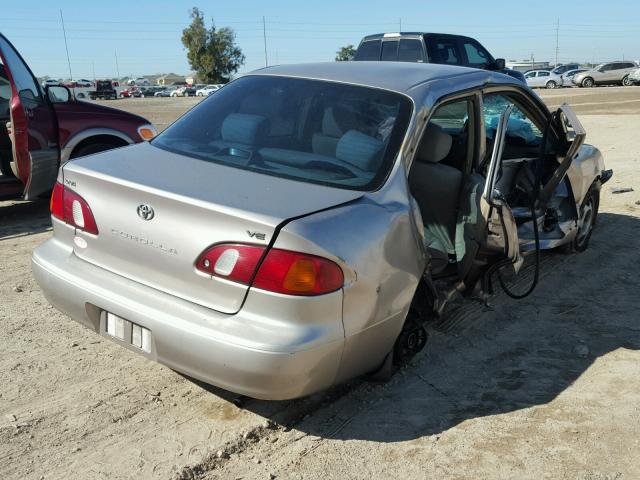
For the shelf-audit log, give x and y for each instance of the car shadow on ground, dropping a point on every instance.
(24, 218)
(487, 361)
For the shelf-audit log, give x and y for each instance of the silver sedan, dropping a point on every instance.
(302, 226)
(543, 79)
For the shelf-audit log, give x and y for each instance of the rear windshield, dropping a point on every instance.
(369, 50)
(307, 130)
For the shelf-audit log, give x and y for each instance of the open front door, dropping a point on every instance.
(32, 126)
(502, 232)
(576, 135)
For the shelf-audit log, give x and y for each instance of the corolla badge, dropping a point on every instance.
(145, 211)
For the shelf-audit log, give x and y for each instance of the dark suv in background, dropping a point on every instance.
(423, 47)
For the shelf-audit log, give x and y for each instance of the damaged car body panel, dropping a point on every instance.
(422, 181)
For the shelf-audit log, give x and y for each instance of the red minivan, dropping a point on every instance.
(40, 128)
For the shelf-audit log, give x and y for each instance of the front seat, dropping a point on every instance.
(436, 188)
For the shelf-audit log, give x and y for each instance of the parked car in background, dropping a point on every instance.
(165, 92)
(147, 91)
(184, 91)
(125, 93)
(40, 128)
(207, 90)
(560, 69)
(51, 82)
(83, 82)
(611, 73)
(274, 249)
(634, 77)
(542, 79)
(442, 48)
(567, 77)
(105, 90)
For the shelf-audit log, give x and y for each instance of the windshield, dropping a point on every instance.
(307, 130)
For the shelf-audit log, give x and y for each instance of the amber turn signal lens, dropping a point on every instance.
(301, 277)
(147, 132)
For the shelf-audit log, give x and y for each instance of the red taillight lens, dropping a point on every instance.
(234, 262)
(295, 273)
(57, 202)
(281, 271)
(71, 208)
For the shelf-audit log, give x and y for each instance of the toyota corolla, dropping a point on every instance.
(300, 226)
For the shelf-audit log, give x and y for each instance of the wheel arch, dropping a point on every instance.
(91, 135)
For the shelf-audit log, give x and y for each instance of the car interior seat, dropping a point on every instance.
(336, 122)
(242, 134)
(436, 188)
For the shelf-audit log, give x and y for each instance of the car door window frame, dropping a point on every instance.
(530, 106)
(476, 141)
(478, 46)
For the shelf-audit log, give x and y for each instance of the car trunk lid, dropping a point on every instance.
(195, 204)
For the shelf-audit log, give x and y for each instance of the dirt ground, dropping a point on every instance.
(546, 387)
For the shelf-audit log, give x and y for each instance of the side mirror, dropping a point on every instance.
(58, 94)
(500, 64)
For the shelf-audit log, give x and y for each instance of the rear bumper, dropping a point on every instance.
(251, 353)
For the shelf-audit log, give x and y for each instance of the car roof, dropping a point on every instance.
(403, 77)
(392, 35)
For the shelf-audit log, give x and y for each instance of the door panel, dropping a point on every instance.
(33, 127)
(502, 231)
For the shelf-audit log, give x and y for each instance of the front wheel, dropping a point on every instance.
(626, 81)
(587, 82)
(587, 216)
(551, 85)
(92, 148)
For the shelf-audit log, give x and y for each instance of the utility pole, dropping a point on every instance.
(400, 24)
(532, 63)
(557, 40)
(93, 69)
(66, 47)
(117, 68)
(264, 34)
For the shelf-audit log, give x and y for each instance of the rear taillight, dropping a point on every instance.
(294, 273)
(281, 271)
(231, 261)
(68, 206)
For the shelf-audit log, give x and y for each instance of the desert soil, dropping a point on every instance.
(546, 387)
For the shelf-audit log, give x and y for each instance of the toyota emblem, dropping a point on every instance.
(145, 211)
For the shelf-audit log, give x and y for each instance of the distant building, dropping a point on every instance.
(528, 65)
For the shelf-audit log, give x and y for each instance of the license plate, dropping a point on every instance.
(128, 332)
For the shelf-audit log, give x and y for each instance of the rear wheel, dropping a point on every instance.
(551, 85)
(626, 81)
(586, 222)
(587, 82)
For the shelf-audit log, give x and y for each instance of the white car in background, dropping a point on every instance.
(51, 83)
(208, 90)
(543, 79)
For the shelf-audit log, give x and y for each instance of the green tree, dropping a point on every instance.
(345, 54)
(212, 53)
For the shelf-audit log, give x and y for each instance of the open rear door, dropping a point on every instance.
(502, 232)
(32, 126)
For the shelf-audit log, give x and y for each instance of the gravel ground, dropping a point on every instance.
(548, 387)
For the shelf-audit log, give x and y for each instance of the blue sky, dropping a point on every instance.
(145, 35)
